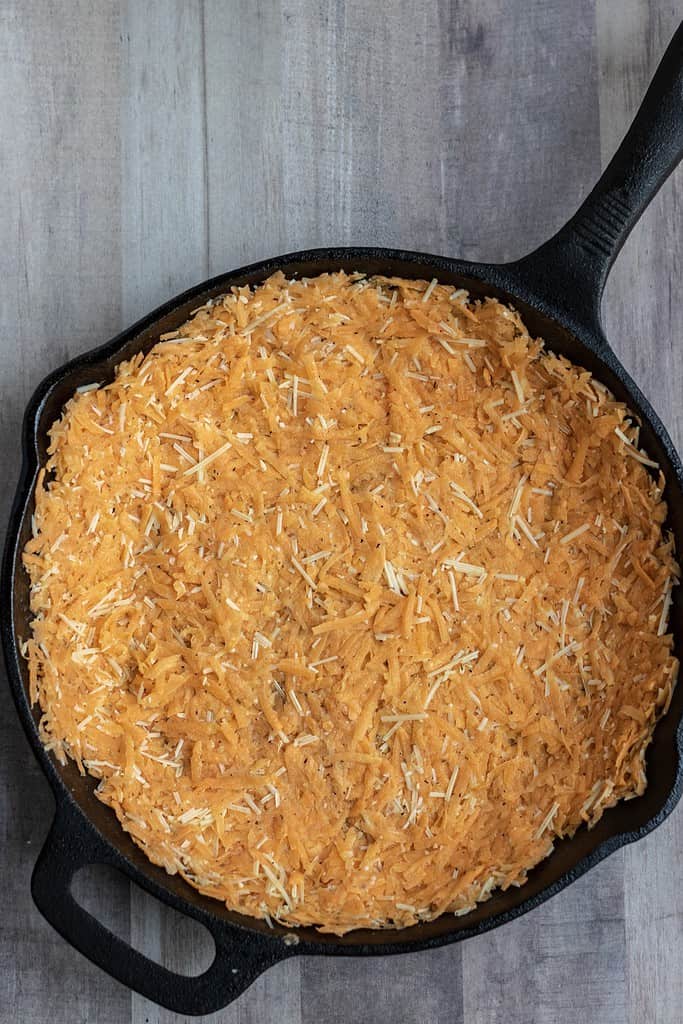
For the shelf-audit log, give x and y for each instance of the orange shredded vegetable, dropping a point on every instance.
(353, 597)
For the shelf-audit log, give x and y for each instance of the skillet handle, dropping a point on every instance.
(569, 271)
(241, 956)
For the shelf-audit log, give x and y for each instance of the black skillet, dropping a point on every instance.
(557, 289)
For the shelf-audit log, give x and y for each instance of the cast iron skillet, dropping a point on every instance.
(557, 289)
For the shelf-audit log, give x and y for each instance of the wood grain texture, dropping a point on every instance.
(520, 122)
(164, 227)
(153, 144)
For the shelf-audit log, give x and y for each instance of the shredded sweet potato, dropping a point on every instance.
(353, 597)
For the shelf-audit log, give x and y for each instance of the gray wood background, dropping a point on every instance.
(147, 145)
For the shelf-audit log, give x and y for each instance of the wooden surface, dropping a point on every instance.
(148, 145)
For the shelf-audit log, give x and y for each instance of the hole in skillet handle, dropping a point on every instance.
(241, 956)
(565, 278)
(105, 892)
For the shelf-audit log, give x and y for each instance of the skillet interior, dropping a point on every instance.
(622, 824)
